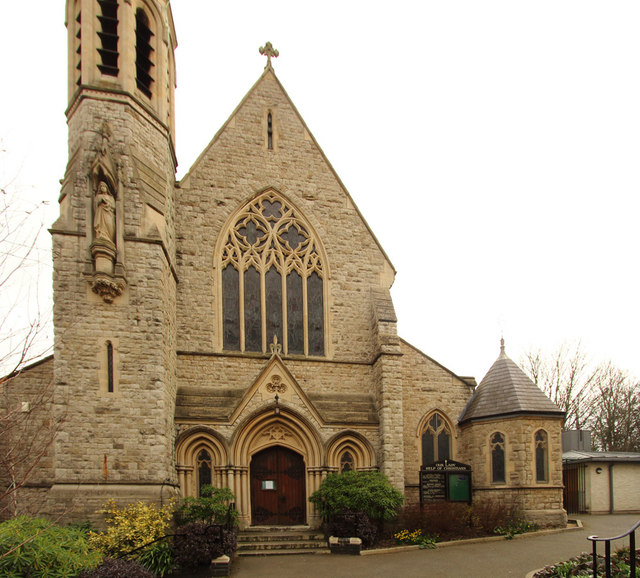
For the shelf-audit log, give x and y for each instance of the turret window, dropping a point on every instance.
(144, 53)
(108, 37)
(497, 458)
(542, 466)
(272, 281)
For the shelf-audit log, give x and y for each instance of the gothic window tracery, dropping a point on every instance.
(272, 280)
(541, 456)
(436, 440)
(203, 466)
(497, 458)
(347, 463)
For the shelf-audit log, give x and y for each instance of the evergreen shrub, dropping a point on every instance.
(40, 549)
(368, 492)
(211, 507)
(130, 527)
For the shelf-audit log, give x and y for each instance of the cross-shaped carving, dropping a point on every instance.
(268, 50)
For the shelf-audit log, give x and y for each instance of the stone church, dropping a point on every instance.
(236, 327)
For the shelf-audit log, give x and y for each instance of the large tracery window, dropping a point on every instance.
(272, 281)
(436, 440)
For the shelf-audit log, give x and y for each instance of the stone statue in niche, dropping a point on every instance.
(104, 217)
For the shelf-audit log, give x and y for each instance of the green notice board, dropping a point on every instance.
(459, 487)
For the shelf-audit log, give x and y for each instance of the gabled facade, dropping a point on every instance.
(233, 328)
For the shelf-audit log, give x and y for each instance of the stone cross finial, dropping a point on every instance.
(269, 51)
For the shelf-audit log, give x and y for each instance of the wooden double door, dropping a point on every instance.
(278, 494)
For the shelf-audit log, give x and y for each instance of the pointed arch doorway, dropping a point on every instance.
(278, 493)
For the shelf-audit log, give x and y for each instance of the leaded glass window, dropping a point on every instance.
(436, 440)
(346, 462)
(203, 465)
(497, 458)
(272, 281)
(541, 456)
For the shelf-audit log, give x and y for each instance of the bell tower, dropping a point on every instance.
(114, 257)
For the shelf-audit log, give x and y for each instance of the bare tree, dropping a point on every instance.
(27, 426)
(615, 420)
(567, 378)
(601, 398)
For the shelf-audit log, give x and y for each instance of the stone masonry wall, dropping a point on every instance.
(236, 166)
(427, 386)
(124, 436)
(540, 502)
(28, 434)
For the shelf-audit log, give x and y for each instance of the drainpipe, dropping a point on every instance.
(611, 488)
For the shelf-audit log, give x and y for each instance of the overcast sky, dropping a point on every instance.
(493, 148)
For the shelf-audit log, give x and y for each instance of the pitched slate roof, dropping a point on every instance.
(506, 391)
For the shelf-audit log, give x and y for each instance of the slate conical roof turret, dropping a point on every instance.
(506, 391)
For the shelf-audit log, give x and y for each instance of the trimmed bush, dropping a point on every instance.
(117, 568)
(43, 549)
(368, 492)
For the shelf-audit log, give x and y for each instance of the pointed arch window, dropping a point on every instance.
(203, 465)
(272, 281)
(347, 463)
(436, 440)
(144, 53)
(108, 37)
(542, 456)
(497, 458)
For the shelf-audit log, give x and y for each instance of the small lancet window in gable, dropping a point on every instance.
(269, 132)
(272, 281)
(144, 53)
(110, 385)
(108, 37)
(541, 446)
(203, 465)
(436, 440)
(346, 462)
(497, 458)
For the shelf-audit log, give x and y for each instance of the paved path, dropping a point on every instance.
(495, 559)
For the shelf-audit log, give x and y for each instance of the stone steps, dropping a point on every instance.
(270, 541)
